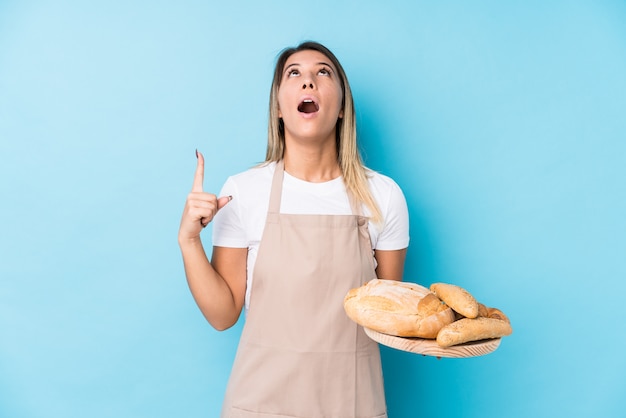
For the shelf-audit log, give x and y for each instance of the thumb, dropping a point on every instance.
(222, 201)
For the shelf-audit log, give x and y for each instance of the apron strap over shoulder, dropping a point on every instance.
(277, 187)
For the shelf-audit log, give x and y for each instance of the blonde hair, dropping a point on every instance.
(348, 156)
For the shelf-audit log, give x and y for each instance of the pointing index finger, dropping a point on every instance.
(199, 176)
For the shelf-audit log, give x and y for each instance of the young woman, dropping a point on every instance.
(291, 238)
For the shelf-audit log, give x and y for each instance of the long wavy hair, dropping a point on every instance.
(348, 156)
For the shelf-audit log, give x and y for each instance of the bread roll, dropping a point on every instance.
(457, 298)
(468, 329)
(483, 310)
(397, 308)
(497, 314)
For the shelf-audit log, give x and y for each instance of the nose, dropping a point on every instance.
(307, 80)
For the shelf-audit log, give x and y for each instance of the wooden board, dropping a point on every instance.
(431, 348)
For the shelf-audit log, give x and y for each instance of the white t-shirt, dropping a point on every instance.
(240, 223)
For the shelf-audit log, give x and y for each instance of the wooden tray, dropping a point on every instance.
(431, 348)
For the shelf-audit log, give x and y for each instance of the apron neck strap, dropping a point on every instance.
(277, 187)
(277, 191)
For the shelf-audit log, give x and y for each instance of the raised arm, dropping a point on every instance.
(218, 286)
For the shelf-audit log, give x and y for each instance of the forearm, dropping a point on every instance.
(210, 290)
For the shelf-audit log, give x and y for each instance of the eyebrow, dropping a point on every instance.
(319, 63)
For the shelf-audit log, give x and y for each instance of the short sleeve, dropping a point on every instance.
(394, 234)
(228, 226)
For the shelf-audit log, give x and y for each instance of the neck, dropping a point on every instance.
(311, 162)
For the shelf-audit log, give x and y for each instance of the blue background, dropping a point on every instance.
(502, 121)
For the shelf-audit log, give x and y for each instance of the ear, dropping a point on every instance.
(341, 114)
(280, 114)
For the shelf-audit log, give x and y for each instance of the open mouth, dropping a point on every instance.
(308, 106)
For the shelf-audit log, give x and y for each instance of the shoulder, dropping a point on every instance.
(242, 219)
(389, 197)
(382, 186)
(251, 181)
(250, 189)
(256, 174)
(393, 234)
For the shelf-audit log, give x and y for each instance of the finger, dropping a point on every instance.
(222, 201)
(202, 197)
(199, 176)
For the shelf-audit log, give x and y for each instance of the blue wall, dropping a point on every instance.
(504, 122)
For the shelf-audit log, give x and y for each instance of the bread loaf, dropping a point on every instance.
(397, 308)
(472, 329)
(457, 298)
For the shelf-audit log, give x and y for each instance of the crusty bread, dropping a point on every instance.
(468, 329)
(459, 299)
(397, 308)
(497, 314)
(487, 312)
(483, 310)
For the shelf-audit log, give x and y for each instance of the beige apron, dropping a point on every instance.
(299, 354)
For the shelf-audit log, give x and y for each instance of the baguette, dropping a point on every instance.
(472, 329)
(459, 299)
(397, 308)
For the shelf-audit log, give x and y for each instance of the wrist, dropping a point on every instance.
(189, 241)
